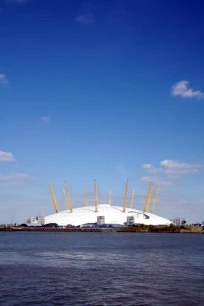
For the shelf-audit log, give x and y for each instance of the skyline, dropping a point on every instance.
(111, 91)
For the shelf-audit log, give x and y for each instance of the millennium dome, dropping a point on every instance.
(106, 214)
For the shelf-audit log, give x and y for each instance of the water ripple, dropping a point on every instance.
(101, 269)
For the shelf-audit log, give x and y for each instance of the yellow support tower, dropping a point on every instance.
(65, 191)
(85, 198)
(69, 201)
(109, 197)
(96, 195)
(125, 197)
(53, 198)
(132, 199)
(149, 195)
(155, 199)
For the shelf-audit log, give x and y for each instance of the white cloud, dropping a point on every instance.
(180, 171)
(181, 89)
(155, 170)
(6, 156)
(13, 176)
(169, 172)
(10, 184)
(174, 164)
(156, 179)
(174, 167)
(149, 168)
(13, 179)
(88, 18)
(46, 119)
(3, 79)
(174, 176)
(148, 179)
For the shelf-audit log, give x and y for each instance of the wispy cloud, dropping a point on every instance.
(14, 179)
(174, 167)
(86, 18)
(149, 168)
(46, 119)
(3, 79)
(6, 156)
(156, 179)
(10, 184)
(178, 165)
(182, 90)
(14, 176)
(169, 171)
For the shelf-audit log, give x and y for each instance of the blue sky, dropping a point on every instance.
(101, 89)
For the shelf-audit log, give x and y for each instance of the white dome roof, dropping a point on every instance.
(112, 214)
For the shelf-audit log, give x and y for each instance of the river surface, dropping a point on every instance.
(101, 269)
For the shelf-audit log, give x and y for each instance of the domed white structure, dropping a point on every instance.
(106, 214)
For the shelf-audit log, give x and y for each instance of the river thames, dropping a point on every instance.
(101, 269)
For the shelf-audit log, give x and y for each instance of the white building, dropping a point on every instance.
(35, 221)
(110, 215)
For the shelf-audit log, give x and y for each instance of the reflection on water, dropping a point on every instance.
(101, 269)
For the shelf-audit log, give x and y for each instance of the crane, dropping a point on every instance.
(109, 197)
(149, 195)
(96, 195)
(132, 199)
(125, 197)
(155, 199)
(53, 198)
(85, 198)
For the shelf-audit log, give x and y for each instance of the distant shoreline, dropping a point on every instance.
(147, 229)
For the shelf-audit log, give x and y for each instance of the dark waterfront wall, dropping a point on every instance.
(136, 229)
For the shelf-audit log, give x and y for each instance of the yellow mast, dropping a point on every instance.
(85, 198)
(69, 201)
(65, 192)
(148, 198)
(125, 197)
(53, 198)
(155, 199)
(96, 195)
(109, 197)
(132, 199)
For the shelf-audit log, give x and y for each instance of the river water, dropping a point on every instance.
(101, 269)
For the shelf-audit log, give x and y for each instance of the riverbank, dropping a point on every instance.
(131, 229)
(189, 229)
